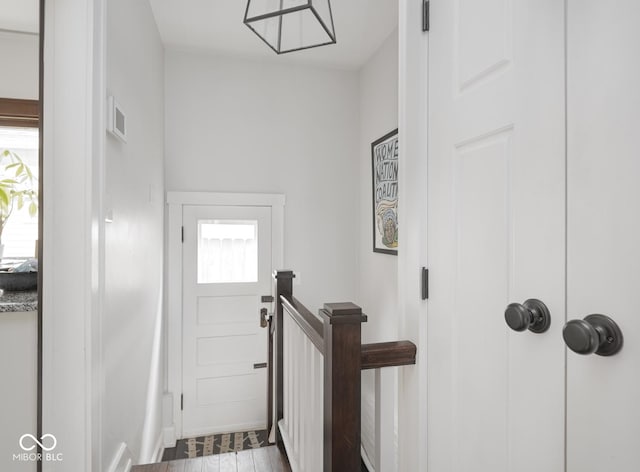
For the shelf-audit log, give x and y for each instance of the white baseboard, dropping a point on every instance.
(122, 460)
(365, 459)
(158, 450)
(293, 459)
(169, 436)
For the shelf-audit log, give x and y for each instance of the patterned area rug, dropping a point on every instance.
(220, 444)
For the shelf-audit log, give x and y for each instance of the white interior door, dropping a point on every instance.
(226, 269)
(496, 234)
(603, 416)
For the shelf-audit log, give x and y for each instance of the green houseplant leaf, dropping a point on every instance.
(18, 187)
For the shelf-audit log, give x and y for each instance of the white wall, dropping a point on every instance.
(18, 369)
(377, 274)
(234, 125)
(134, 199)
(19, 58)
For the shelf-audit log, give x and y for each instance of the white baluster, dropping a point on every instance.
(296, 393)
(319, 369)
(287, 375)
(385, 398)
(285, 371)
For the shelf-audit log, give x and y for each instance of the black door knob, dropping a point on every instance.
(532, 315)
(597, 334)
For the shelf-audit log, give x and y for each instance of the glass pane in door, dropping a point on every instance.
(227, 251)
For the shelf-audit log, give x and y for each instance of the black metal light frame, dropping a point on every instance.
(282, 12)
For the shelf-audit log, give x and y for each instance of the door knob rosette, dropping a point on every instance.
(532, 315)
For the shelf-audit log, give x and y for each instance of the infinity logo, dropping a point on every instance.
(35, 440)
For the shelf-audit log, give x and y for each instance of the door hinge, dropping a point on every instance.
(182, 234)
(182, 402)
(425, 15)
(425, 283)
(266, 299)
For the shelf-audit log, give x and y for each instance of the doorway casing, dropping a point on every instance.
(176, 202)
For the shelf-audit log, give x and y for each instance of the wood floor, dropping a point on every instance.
(263, 459)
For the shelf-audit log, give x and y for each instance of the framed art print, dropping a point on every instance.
(384, 164)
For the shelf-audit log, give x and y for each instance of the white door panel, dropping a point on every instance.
(603, 425)
(224, 310)
(495, 234)
(227, 268)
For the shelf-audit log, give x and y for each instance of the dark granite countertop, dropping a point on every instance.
(18, 301)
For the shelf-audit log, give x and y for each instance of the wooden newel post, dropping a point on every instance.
(284, 287)
(342, 352)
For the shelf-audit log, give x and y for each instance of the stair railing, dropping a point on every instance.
(314, 371)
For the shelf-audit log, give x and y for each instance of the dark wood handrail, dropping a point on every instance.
(390, 354)
(309, 324)
(373, 356)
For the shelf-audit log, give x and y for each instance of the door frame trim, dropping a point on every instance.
(413, 124)
(176, 202)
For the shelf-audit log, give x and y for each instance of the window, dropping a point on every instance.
(227, 251)
(19, 134)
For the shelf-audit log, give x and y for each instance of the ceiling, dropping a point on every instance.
(19, 15)
(216, 26)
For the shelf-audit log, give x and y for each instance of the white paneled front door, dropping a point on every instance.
(534, 109)
(226, 269)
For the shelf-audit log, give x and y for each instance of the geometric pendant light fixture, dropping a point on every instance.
(291, 25)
